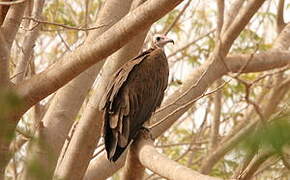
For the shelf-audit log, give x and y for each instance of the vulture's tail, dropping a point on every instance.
(114, 151)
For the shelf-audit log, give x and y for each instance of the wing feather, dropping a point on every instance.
(119, 78)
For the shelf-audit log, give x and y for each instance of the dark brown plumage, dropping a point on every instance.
(133, 94)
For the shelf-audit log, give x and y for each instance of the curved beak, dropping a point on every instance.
(168, 40)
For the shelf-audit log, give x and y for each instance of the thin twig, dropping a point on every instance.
(191, 43)
(63, 41)
(15, 75)
(184, 94)
(38, 21)
(270, 74)
(187, 104)
(178, 17)
(86, 14)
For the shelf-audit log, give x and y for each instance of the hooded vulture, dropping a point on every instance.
(134, 93)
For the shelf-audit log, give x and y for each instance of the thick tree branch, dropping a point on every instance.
(3, 12)
(216, 117)
(101, 168)
(12, 22)
(28, 43)
(239, 24)
(161, 165)
(283, 40)
(133, 168)
(68, 168)
(280, 16)
(4, 57)
(220, 16)
(232, 14)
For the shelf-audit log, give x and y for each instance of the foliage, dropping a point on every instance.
(274, 134)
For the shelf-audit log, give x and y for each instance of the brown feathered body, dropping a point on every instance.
(134, 93)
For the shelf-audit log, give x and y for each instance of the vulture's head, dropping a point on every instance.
(160, 40)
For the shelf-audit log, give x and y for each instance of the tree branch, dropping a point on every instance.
(3, 12)
(216, 117)
(220, 16)
(133, 169)
(161, 165)
(4, 57)
(12, 22)
(283, 40)
(238, 24)
(232, 14)
(101, 168)
(28, 43)
(280, 16)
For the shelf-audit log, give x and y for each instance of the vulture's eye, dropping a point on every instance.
(158, 38)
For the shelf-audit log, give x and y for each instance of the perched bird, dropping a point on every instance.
(134, 93)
